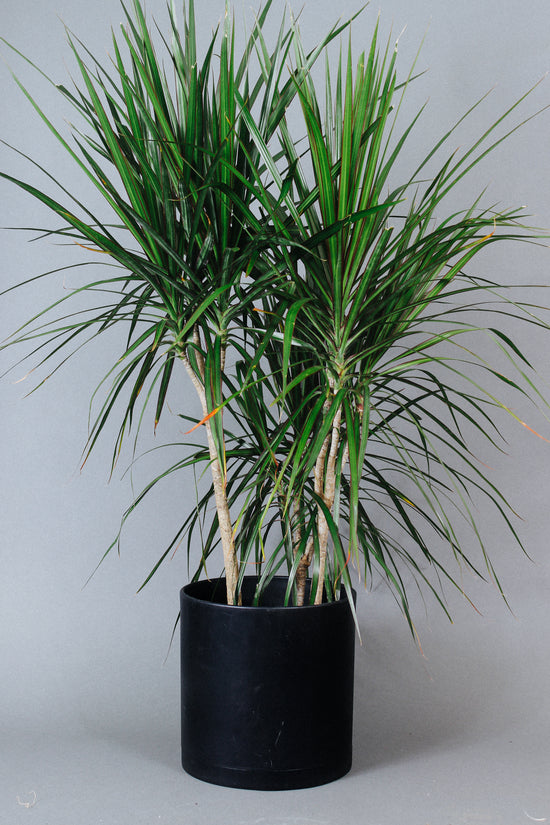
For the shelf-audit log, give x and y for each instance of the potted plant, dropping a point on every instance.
(321, 309)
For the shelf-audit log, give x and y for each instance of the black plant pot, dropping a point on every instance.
(267, 692)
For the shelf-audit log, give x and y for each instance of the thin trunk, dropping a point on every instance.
(303, 566)
(218, 482)
(301, 579)
(224, 520)
(327, 489)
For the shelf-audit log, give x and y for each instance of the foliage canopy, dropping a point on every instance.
(319, 302)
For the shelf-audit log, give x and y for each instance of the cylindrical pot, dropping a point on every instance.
(266, 691)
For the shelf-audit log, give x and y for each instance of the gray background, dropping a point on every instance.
(89, 715)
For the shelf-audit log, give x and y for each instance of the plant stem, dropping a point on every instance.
(218, 480)
(325, 488)
(224, 521)
(301, 575)
(327, 485)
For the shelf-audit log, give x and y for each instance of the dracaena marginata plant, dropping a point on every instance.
(320, 301)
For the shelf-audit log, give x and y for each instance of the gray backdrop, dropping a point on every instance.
(89, 714)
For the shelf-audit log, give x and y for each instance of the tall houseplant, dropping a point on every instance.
(317, 303)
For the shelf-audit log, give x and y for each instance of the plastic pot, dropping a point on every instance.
(266, 691)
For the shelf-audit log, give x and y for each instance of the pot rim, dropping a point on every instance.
(251, 607)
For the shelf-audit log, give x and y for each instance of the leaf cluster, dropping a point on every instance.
(319, 303)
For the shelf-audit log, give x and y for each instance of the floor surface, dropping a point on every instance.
(456, 735)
